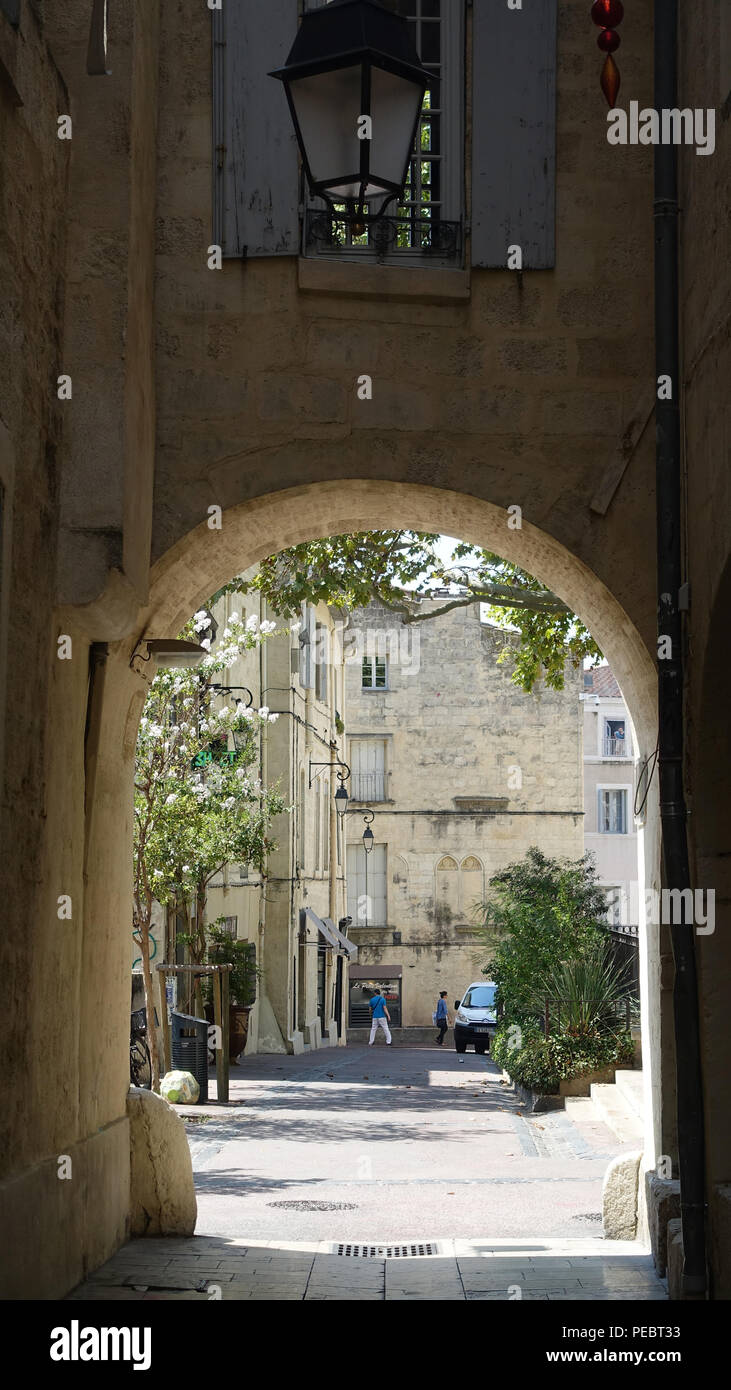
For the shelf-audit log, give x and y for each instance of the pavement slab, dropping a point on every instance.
(405, 1149)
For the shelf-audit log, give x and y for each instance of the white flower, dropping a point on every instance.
(234, 618)
(295, 627)
(201, 621)
(273, 718)
(157, 873)
(171, 799)
(206, 642)
(252, 623)
(264, 712)
(186, 868)
(268, 626)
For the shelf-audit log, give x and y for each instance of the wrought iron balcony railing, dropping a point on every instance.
(405, 236)
(617, 748)
(368, 786)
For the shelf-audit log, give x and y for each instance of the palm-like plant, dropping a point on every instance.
(586, 993)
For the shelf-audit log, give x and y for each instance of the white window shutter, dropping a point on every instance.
(514, 133)
(255, 161)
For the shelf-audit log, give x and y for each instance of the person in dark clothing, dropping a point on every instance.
(442, 1016)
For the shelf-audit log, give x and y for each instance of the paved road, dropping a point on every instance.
(389, 1144)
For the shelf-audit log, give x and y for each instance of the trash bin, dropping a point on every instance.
(189, 1048)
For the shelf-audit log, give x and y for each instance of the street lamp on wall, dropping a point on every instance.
(368, 841)
(355, 88)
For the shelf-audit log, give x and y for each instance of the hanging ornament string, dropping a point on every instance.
(607, 14)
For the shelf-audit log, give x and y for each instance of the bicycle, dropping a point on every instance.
(140, 1065)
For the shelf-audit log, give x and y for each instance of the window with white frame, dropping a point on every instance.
(367, 903)
(612, 819)
(368, 769)
(615, 901)
(616, 741)
(374, 673)
(428, 219)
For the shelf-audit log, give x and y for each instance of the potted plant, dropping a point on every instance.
(224, 949)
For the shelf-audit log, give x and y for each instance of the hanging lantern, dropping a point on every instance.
(607, 14)
(355, 88)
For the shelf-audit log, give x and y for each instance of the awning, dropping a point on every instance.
(381, 972)
(347, 948)
(332, 935)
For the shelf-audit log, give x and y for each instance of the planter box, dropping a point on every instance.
(581, 1085)
(537, 1102)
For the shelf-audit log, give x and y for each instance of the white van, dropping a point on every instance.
(475, 1018)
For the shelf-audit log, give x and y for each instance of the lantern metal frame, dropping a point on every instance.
(371, 41)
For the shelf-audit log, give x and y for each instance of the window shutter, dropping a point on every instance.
(307, 648)
(514, 133)
(256, 170)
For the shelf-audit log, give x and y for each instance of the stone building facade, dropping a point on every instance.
(298, 675)
(465, 773)
(236, 390)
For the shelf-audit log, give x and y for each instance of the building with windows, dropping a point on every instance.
(291, 913)
(610, 760)
(463, 772)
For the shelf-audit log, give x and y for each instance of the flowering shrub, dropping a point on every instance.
(199, 802)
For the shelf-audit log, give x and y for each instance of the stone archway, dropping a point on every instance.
(185, 575)
(205, 559)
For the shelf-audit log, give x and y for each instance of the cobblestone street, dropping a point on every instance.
(422, 1162)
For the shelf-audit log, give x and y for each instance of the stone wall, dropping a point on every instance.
(477, 772)
(495, 391)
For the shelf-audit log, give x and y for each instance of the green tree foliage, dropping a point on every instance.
(199, 802)
(398, 568)
(543, 911)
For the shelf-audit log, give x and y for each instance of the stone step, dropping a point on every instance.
(582, 1109)
(614, 1111)
(630, 1084)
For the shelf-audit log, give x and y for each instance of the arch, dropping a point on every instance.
(186, 575)
(447, 864)
(195, 566)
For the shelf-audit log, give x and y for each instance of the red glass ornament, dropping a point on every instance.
(610, 80)
(607, 14)
(608, 41)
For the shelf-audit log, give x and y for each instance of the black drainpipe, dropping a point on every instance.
(691, 1149)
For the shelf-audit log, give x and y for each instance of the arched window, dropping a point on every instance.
(471, 887)
(447, 885)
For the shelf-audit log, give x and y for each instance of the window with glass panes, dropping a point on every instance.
(612, 810)
(428, 218)
(375, 673)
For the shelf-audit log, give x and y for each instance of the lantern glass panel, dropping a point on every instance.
(327, 107)
(395, 105)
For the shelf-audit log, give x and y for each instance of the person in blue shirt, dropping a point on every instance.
(379, 1016)
(442, 1016)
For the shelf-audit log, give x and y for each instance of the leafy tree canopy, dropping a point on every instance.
(398, 568)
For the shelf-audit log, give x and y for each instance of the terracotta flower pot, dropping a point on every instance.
(238, 1029)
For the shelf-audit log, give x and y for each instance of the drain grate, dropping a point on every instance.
(314, 1206)
(386, 1252)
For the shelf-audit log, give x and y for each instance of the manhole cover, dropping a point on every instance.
(386, 1252)
(314, 1206)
